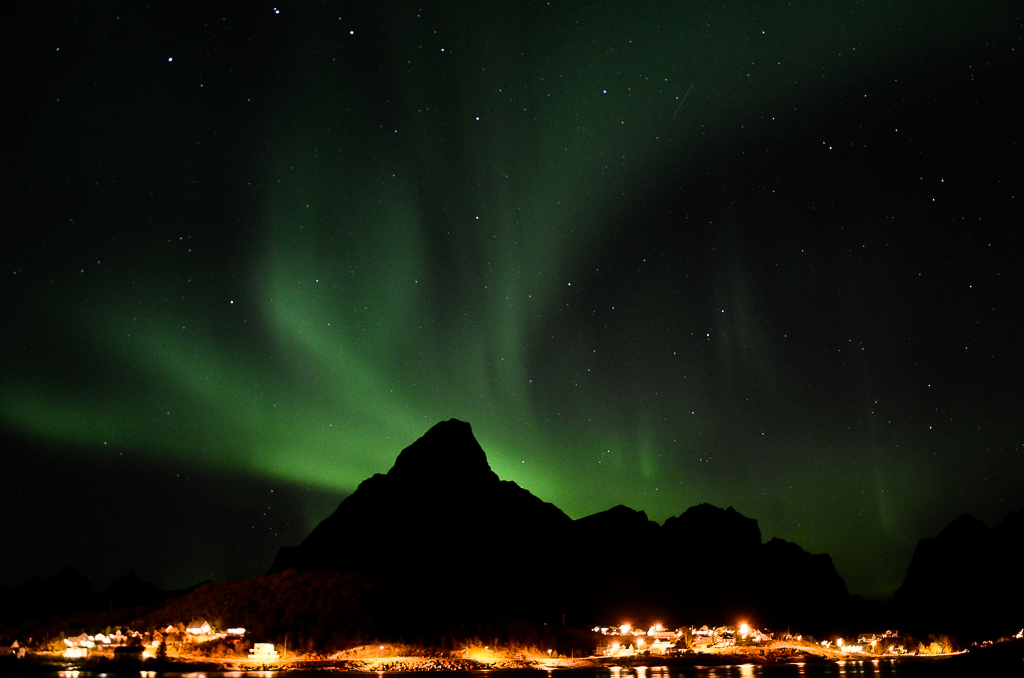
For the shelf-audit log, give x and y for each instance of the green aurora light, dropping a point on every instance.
(460, 213)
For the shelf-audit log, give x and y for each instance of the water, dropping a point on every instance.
(858, 669)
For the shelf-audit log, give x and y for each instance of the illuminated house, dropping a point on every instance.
(662, 646)
(263, 652)
(626, 641)
(198, 628)
(703, 637)
(662, 640)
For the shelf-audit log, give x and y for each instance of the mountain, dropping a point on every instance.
(69, 593)
(610, 560)
(719, 550)
(129, 591)
(331, 610)
(66, 592)
(442, 517)
(966, 580)
(800, 590)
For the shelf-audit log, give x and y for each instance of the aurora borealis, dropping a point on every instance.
(758, 255)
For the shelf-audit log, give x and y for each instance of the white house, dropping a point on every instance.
(198, 628)
(263, 652)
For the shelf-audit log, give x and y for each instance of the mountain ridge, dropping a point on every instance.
(446, 473)
(442, 520)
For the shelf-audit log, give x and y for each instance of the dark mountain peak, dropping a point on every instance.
(71, 579)
(805, 591)
(777, 545)
(130, 590)
(447, 512)
(65, 592)
(966, 527)
(707, 524)
(965, 580)
(447, 453)
(451, 522)
(792, 562)
(617, 521)
(620, 513)
(129, 577)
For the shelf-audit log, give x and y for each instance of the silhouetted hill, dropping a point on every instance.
(719, 551)
(726, 534)
(800, 590)
(130, 591)
(603, 582)
(439, 550)
(441, 515)
(330, 610)
(68, 595)
(66, 592)
(965, 581)
(615, 523)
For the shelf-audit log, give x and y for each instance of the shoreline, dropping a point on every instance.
(410, 664)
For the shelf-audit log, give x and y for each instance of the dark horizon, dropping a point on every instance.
(154, 551)
(441, 531)
(759, 256)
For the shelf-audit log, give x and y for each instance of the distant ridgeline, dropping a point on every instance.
(69, 593)
(442, 516)
(440, 549)
(968, 581)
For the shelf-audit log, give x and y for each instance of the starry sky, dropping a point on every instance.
(758, 254)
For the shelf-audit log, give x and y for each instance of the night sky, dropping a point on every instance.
(762, 255)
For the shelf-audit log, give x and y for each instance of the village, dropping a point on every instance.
(625, 644)
(626, 641)
(170, 641)
(198, 637)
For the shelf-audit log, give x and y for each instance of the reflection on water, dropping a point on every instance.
(867, 668)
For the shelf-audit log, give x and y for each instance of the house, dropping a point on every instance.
(81, 640)
(662, 646)
(263, 652)
(198, 628)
